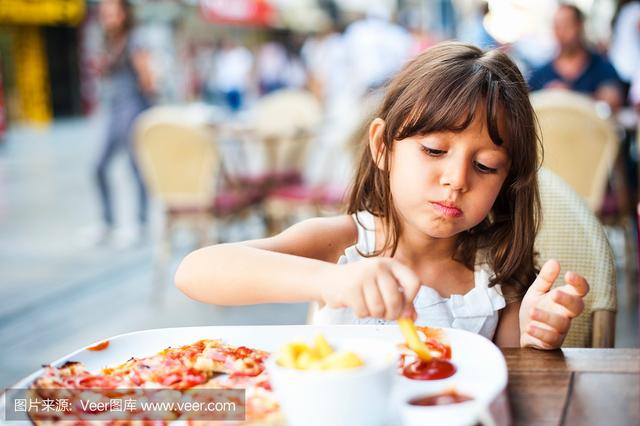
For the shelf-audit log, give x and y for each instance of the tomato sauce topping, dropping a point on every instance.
(99, 347)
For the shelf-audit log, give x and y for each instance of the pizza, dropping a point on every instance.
(201, 372)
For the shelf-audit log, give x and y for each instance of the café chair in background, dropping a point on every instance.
(180, 165)
(327, 196)
(581, 145)
(271, 140)
(281, 127)
(572, 234)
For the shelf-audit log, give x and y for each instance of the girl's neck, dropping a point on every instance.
(432, 260)
(415, 249)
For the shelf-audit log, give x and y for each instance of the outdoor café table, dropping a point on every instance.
(574, 386)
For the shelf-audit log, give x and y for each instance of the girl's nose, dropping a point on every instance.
(455, 176)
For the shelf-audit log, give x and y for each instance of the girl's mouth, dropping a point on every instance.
(448, 210)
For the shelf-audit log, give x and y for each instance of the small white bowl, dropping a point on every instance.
(346, 397)
(458, 414)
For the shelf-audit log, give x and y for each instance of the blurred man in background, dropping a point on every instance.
(231, 79)
(576, 67)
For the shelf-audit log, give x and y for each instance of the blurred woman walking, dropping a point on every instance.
(125, 67)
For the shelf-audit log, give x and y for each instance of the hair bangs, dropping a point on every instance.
(450, 104)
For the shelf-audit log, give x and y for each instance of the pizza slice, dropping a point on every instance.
(188, 367)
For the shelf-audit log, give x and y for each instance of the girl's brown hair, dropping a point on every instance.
(443, 89)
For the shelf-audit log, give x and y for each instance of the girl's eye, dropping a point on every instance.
(484, 169)
(433, 152)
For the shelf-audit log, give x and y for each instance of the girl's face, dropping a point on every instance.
(444, 183)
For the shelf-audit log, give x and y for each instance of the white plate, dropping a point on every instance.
(480, 365)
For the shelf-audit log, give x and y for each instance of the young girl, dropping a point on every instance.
(443, 215)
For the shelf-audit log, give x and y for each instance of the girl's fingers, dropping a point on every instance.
(572, 303)
(528, 341)
(550, 338)
(374, 300)
(359, 305)
(407, 279)
(409, 312)
(392, 295)
(548, 274)
(558, 322)
(577, 283)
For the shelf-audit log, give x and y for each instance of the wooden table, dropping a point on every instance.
(574, 386)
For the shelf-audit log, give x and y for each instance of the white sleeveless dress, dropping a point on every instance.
(476, 311)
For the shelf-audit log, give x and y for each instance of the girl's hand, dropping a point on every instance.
(377, 287)
(545, 315)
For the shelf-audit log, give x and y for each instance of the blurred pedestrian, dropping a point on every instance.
(474, 30)
(129, 84)
(231, 80)
(576, 67)
(625, 43)
(278, 64)
(377, 48)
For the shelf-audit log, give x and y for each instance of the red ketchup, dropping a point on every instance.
(435, 369)
(444, 398)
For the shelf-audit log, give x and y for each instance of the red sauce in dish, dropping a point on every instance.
(444, 398)
(435, 369)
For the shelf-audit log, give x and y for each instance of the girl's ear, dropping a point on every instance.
(376, 143)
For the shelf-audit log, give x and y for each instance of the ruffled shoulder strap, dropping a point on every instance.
(494, 295)
(365, 222)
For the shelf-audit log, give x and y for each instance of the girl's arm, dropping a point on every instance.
(290, 267)
(508, 331)
(299, 266)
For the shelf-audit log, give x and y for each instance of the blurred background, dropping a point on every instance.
(262, 102)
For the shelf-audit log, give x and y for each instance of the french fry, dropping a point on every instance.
(321, 356)
(410, 334)
(287, 358)
(340, 360)
(307, 360)
(322, 346)
(290, 353)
